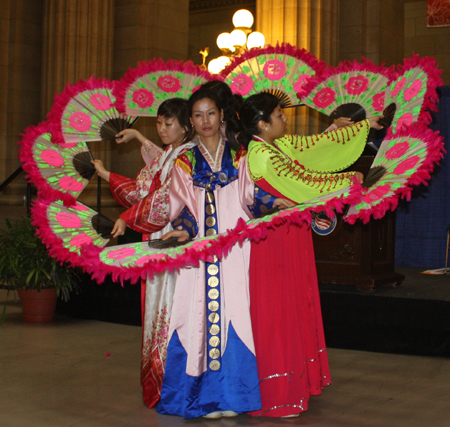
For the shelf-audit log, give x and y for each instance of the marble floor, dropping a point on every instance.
(85, 373)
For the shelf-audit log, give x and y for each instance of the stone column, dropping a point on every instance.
(143, 30)
(20, 79)
(78, 42)
(309, 24)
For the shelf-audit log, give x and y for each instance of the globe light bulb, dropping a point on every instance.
(256, 39)
(238, 38)
(213, 66)
(224, 41)
(243, 18)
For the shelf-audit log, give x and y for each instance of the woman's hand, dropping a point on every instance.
(127, 135)
(373, 121)
(119, 228)
(360, 177)
(283, 203)
(100, 169)
(182, 235)
(343, 121)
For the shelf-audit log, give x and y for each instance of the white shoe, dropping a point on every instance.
(229, 414)
(213, 415)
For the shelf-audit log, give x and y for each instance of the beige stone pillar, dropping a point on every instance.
(309, 24)
(144, 30)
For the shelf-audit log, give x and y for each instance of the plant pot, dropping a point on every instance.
(37, 306)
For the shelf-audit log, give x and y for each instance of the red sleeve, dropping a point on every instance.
(123, 189)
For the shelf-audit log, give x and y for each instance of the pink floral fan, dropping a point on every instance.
(282, 70)
(142, 89)
(85, 112)
(65, 230)
(413, 92)
(58, 172)
(352, 89)
(404, 160)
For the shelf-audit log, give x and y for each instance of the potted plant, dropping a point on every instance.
(26, 265)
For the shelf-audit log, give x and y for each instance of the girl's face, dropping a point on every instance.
(169, 130)
(278, 124)
(206, 117)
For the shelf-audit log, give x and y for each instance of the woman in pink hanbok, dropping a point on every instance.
(147, 198)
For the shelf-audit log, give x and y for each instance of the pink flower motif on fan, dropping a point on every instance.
(324, 97)
(398, 87)
(376, 193)
(143, 260)
(143, 97)
(80, 239)
(357, 85)
(52, 158)
(68, 220)
(80, 121)
(298, 85)
(406, 119)
(274, 69)
(69, 184)
(169, 84)
(398, 150)
(100, 102)
(121, 253)
(406, 165)
(242, 84)
(80, 207)
(412, 91)
(378, 101)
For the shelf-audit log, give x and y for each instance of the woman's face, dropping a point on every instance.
(278, 123)
(206, 117)
(169, 130)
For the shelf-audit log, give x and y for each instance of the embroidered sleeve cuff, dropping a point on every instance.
(186, 221)
(262, 202)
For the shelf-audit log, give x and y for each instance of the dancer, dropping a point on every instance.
(290, 345)
(211, 367)
(147, 201)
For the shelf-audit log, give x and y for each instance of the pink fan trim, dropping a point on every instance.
(345, 67)
(435, 146)
(61, 100)
(33, 173)
(284, 48)
(156, 64)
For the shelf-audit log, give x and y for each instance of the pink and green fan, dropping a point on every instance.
(58, 172)
(404, 160)
(142, 89)
(85, 112)
(413, 92)
(352, 89)
(282, 70)
(65, 229)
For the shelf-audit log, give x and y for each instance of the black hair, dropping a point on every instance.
(231, 103)
(255, 108)
(202, 94)
(177, 108)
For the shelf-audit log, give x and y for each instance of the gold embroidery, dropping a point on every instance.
(213, 269)
(210, 221)
(209, 197)
(214, 330)
(214, 353)
(210, 209)
(213, 294)
(213, 306)
(214, 341)
(214, 365)
(211, 232)
(213, 282)
(214, 318)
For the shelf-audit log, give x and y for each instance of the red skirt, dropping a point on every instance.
(287, 321)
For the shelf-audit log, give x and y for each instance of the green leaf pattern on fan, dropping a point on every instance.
(74, 225)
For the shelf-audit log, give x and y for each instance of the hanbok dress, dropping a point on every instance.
(285, 302)
(147, 200)
(211, 364)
